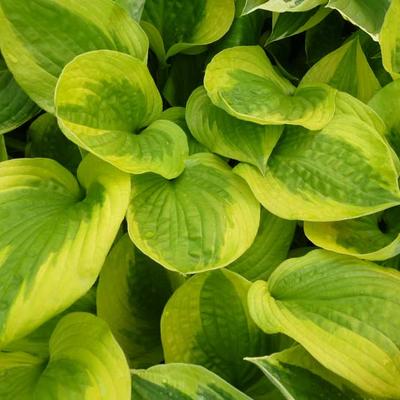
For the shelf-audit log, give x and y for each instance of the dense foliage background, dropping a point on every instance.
(199, 199)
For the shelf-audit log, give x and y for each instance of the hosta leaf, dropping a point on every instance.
(281, 5)
(181, 382)
(37, 46)
(298, 376)
(346, 170)
(332, 29)
(288, 24)
(54, 236)
(103, 101)
(45, 139)
(346, 69)
(374, 237)
(131, 295)
(342, 310)
(177, 115)
(3, 149)
(268, 250)
(85, 362)
(366, 14)
(387, 104)
(229, 136)
(206, 322)
(242, 81)
(244, 31)
(15, 106)
(184, 25)
(390, 40)
(134, 7)
(204, 219)
(37, 342)
(185, 75)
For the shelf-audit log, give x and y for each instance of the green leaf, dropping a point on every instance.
(54, 236)
(45, 139)
(131, 295)
(300, 377)
(202, 220)
(374, 237)
(366, 14)
(346, 69)
(346, 170)
(3, 149)
(332, 29)
(244, 31)
(85, 362)
(229, 136)
(37, 46)
(281, 5)
(181, 382)
(387, 104)
(15, 106)
(134, 7)
(185, 25)
(107, 103)
(390, 40)
(177, 115)
(288, 24)
(185, 74)
(37, 342)
(269, 248)
(206, 322)
(242, 81)
(342, 310)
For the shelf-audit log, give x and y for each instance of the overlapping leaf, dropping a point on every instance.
(126, 280)
(181, 382)
(38, 38)
(242, 81)
(107, 103)
(54, 236)
(346, 170)
(46, 140)
(183, 25)
(204, 219)
(346, 69)
(300, 377)
(228, 136)
(269, 248)
(374, 237)
(206, 322)
(15, 106)
(84, 362)
(343, 311)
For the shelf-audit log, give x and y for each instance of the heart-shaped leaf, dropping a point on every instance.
(346, 170)
(108, 103)
(229, 136)
(342, 310)
(54, 236)
(202, 220)
(242, 81)
(38, 38)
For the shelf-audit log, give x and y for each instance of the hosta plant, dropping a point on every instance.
(199, 200)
